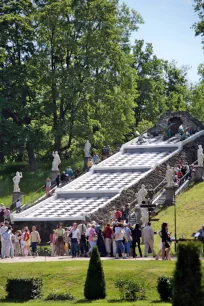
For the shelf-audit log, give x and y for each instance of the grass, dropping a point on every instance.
(189, 211)
(31, 181)
(70, 277)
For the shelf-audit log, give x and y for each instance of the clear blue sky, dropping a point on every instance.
(168, 27)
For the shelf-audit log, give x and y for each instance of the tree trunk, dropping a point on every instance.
(31, 157)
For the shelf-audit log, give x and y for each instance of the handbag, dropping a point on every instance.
(95, 237)
(70, 235)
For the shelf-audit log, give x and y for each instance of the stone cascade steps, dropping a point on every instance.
(105, 181)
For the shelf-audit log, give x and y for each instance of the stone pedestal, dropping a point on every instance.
(170, 196)
(199, 174)
(54, 174)
(86, 159)
(16, 196)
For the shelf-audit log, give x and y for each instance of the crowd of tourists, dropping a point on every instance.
(115, 239)
(183, 170)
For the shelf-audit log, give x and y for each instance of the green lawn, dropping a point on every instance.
(70, 277)
(31, 181)
(189, 207)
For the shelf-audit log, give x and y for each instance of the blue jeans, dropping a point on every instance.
(74, 245)
(34, 247)
(92, 245)
(127, 247)
(120, 246)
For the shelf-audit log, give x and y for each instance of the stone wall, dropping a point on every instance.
(151, 181)
(187, 119)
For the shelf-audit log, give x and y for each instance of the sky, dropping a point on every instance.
(168, 26)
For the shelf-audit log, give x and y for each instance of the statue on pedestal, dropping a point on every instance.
(169, 176)
(16, 181)
(56, 161)
(87, 148)
(200, 156)
(141, 195)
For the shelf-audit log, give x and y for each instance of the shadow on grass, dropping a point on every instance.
(159, 302)
(83, 301)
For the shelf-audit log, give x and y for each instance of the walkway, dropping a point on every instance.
(64, 258)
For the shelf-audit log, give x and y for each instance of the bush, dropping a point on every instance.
(187, 284)
(24, 289)
(55, 296)
(164, 287)
(95, 286)
(131, 289)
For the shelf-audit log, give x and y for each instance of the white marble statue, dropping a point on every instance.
(56, 161)
(200, 156)
(141, 195)
(145, 216)
(16, 181)
(87, 148)
(169, 176)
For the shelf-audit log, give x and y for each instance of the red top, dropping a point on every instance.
(179, 174)
(107, 232)
(118, 214)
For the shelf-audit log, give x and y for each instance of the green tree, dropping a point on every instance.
(176, 86)
(150, 100)
(19, 107)
(187, 284)
(199, 26)
(195, 105)
(95, 286)
(85, 62)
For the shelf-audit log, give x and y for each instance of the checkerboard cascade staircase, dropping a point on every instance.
(105, 181)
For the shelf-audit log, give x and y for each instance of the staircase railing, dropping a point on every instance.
(36, 200)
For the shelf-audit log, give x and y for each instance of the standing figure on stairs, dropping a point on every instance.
(169, 176)
(200, 156)
(16, 181)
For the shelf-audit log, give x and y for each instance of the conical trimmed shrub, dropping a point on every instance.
(95, 286)
(187, 283)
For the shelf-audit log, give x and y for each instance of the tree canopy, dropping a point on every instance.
(68, 70)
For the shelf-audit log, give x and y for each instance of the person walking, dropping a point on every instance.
(8, 245)
(128, 240)
(60, 232)
(107, 233)
(165, 241)
(35, 240)
(82, 232)
(3, 229)
(92, 238)
(48, 187)
(75, 239)
(17, 246)
(119, 237)
(148, 235)
(136, 237)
